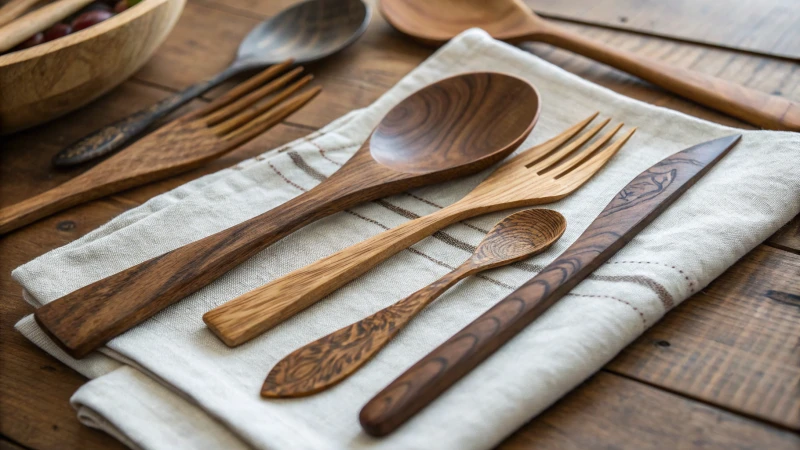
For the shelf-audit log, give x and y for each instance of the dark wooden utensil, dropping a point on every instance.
(181, 145)
(435, 23)
(304, 32)
(632, 209)
(329, 360)
(542, 174)
(452, 128)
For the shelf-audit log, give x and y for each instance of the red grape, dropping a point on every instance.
(36, 39)
(56, 31)
(88, 19)
(121, 5)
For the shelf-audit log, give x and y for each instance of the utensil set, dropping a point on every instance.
(452, 128)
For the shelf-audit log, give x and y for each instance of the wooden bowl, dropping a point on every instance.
(49, 80)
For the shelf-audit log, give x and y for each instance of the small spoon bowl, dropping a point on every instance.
(305, 32)
(330, 359)
(456, 121)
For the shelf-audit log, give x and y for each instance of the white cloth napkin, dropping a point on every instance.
(170, 383)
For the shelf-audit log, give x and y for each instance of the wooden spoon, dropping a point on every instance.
(452, 128)
(329, 360)
(305, 32)
(434, 23)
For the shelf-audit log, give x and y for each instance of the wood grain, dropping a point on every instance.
(734, 344)
(192, 141)
(631, 210)
(56, 77)
(355, 78)
(303, 33)
(330, 359)
(613, 412)
(15, 8)
(512, 21)
(523, 181)
(764, 27)
(495, 113)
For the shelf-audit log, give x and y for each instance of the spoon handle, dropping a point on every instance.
(255, 312)
(329, 360)
(749, 105)
(85, 319)
(115, 136)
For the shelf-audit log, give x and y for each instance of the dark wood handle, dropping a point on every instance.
(752, 106)
(115, 136)
(445, 365)
(632, 209)
(87, 318)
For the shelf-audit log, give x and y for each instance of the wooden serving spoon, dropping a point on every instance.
(452, 128)
(435, 23)
(305, 32)
(329, 360)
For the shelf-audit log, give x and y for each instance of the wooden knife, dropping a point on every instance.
(632, 209)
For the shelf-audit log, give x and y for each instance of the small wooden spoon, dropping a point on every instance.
(329, 360)
(452, 128)
(435, 23)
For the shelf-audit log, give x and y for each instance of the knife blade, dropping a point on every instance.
(631, 210)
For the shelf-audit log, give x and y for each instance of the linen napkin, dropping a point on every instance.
(170, 383)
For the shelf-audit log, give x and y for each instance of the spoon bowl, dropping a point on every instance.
(302, 33)
(87, 318)
(305, 32)
(421, 134)
(436, 22)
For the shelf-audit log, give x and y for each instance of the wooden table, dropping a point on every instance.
(721, 370)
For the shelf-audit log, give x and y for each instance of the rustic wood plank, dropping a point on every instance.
(610, 411)
(353, 79)
(765, 27)
(734, 344)
(788, 237)
(34, 387)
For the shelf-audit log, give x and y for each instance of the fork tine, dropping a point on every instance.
(251, 98)
(543, 149)
(246, 116)
(243, 88)
(270, 118)
(582, 174)
(546, 164)
(585, 154)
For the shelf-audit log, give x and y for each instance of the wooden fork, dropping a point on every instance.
(543, 174)
(184, 144)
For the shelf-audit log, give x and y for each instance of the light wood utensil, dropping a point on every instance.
(435, 23)
(452, 128)
(329, 360)
(543, 174)
(631, 210)
(14, 9)
(181, 145)
(305, 32)
(39, 20)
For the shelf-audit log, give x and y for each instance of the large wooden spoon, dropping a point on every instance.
(330, 359)
(434, 23)
(452, 128)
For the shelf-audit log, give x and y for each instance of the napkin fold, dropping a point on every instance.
(170, 383)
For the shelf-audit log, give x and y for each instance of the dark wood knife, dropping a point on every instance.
(632, 209)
